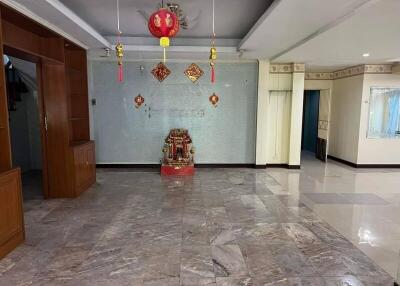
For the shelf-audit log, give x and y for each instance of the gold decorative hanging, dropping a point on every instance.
(213, 50)
(119, 49)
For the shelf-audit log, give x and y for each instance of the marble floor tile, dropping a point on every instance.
(363, 199)
(234, 281)
(222, 227)
(228, 261)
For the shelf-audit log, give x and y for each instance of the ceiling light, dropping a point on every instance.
(366, 55)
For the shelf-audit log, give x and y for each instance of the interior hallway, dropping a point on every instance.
(223, 227)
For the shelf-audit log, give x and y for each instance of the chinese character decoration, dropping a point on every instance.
(194, 72)
(161, 72)
(213, 50)
(164, 25)
(214, 99)
(139, 100)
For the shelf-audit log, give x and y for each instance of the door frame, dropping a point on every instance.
(322, 86)
(41, 110)
(304, 107)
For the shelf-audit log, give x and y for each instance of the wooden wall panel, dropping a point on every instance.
(5, 146)
(11, 213)
(16, 37)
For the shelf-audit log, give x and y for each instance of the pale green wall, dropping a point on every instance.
(124, 134)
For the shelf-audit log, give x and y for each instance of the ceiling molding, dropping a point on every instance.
(78, 21)
(189, 49)
(349, 72)
(26, 12)
(153, 41)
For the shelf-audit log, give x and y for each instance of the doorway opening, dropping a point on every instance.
(309, 138)
(24, 121)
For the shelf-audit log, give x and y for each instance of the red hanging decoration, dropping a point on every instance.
(139, 100)
(120, 73)
(214, 99)
(119, 49)
(163, 24)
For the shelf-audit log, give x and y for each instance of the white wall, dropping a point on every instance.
(376, 151)
(262, 113)
(345, 118)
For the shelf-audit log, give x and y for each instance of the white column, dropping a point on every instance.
(296, 120)
(262, 108)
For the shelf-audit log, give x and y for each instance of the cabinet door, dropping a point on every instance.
(91, 158)
(11, 215)
(79, 157)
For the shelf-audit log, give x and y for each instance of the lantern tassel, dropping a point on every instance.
(212, 74)
(120, 73)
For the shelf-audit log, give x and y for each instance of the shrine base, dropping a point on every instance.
(177, 171)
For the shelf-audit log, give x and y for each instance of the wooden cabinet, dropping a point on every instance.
(84, 166)
(11, 213)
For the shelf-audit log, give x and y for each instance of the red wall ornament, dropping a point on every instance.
(163, 24)
(214, 99)
(139, 100)
(161, 72)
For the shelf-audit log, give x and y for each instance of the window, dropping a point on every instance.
(384, 113)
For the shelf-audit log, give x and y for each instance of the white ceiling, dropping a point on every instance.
(324, 34)
(373, 29)
(234, 17)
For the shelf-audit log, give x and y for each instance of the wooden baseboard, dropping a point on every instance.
(364, 166)
(157, 166)
(128, 166)
(224, 165)
(282, 166)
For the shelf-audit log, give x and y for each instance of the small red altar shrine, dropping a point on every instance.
(178, 154)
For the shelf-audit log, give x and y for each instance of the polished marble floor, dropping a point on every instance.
(224, 227)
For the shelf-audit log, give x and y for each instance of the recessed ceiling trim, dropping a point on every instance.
(326, 28)
(23, 10)
(190, 49)
(152, 41)
(79, 21)
(270, 9)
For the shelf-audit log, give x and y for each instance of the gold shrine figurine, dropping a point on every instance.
(178, 153)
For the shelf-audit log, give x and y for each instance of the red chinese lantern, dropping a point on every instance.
(163, 24)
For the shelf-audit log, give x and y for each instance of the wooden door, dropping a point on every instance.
(53, 88)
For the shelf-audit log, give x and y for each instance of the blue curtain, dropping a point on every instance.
(394, 113)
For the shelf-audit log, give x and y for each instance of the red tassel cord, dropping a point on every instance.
(120, 73)
(212, 74)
